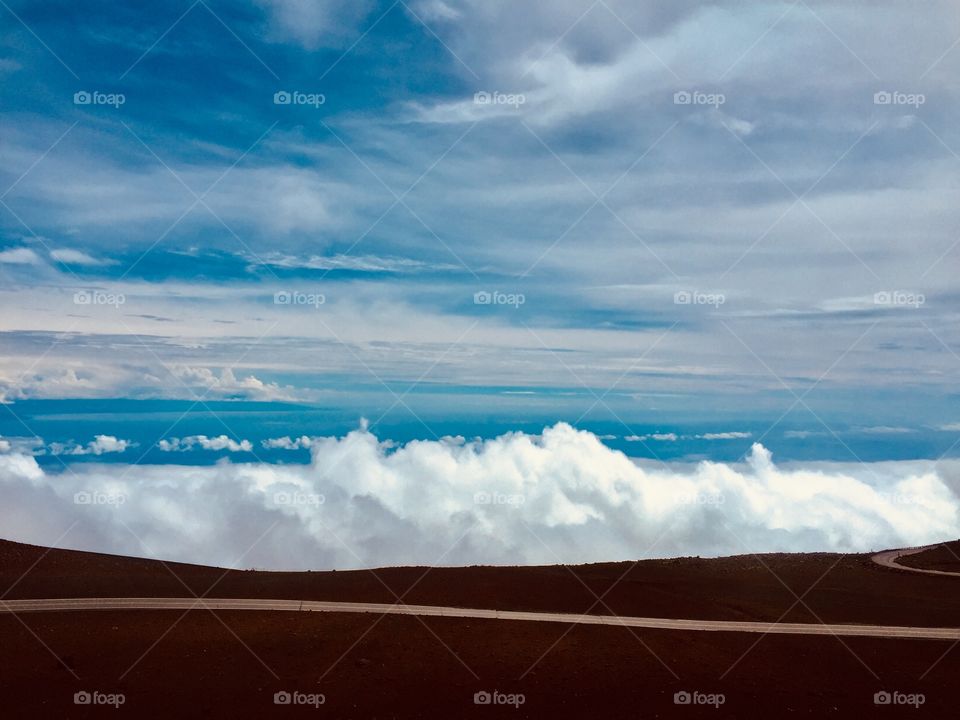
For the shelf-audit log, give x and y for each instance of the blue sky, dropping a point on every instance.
(726, 219)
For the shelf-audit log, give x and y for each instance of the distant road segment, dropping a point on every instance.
(888, 558)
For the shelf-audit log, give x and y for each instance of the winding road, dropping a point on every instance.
(888, 558)
(89, 604)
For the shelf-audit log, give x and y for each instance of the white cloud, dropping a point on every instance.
(315, 24)
(950, 427)
(20, 256)
(288, 443)
(24, 445)
(459, 502)
(69, 256)
(663, 437)
(885, 430)
(363, 263)
(436, 10)
(673, 437)
(100, 445)
(227, 384)
(55, 381)
(108, 444)
(221, 442)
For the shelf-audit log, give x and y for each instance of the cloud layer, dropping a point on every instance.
(562, 496)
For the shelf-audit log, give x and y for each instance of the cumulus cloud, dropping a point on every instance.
(23, 445)
(362, 502)
(221, 442)
(227, 384)
(287, 443)
(100, 445)
(51, 380)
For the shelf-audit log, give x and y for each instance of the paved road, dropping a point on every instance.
(85, 604)
(888, 558)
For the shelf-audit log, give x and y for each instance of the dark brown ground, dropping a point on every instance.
(229, 664)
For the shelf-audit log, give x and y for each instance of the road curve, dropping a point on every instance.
(888, 558)
(87, 604)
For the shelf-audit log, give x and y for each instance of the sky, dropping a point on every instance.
(697, 231)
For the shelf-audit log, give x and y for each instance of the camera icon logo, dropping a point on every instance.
(282, 298)
(82, 698)
(482, 98)
(682, 698)
(683, 297)
(282, 698)
(482, 298)
(882, 98)
(83, 498)
(482, 698)
(82, 297)
(82, 97)
(882, 698)
(881, 298)
(282, 97)
(682, 97)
